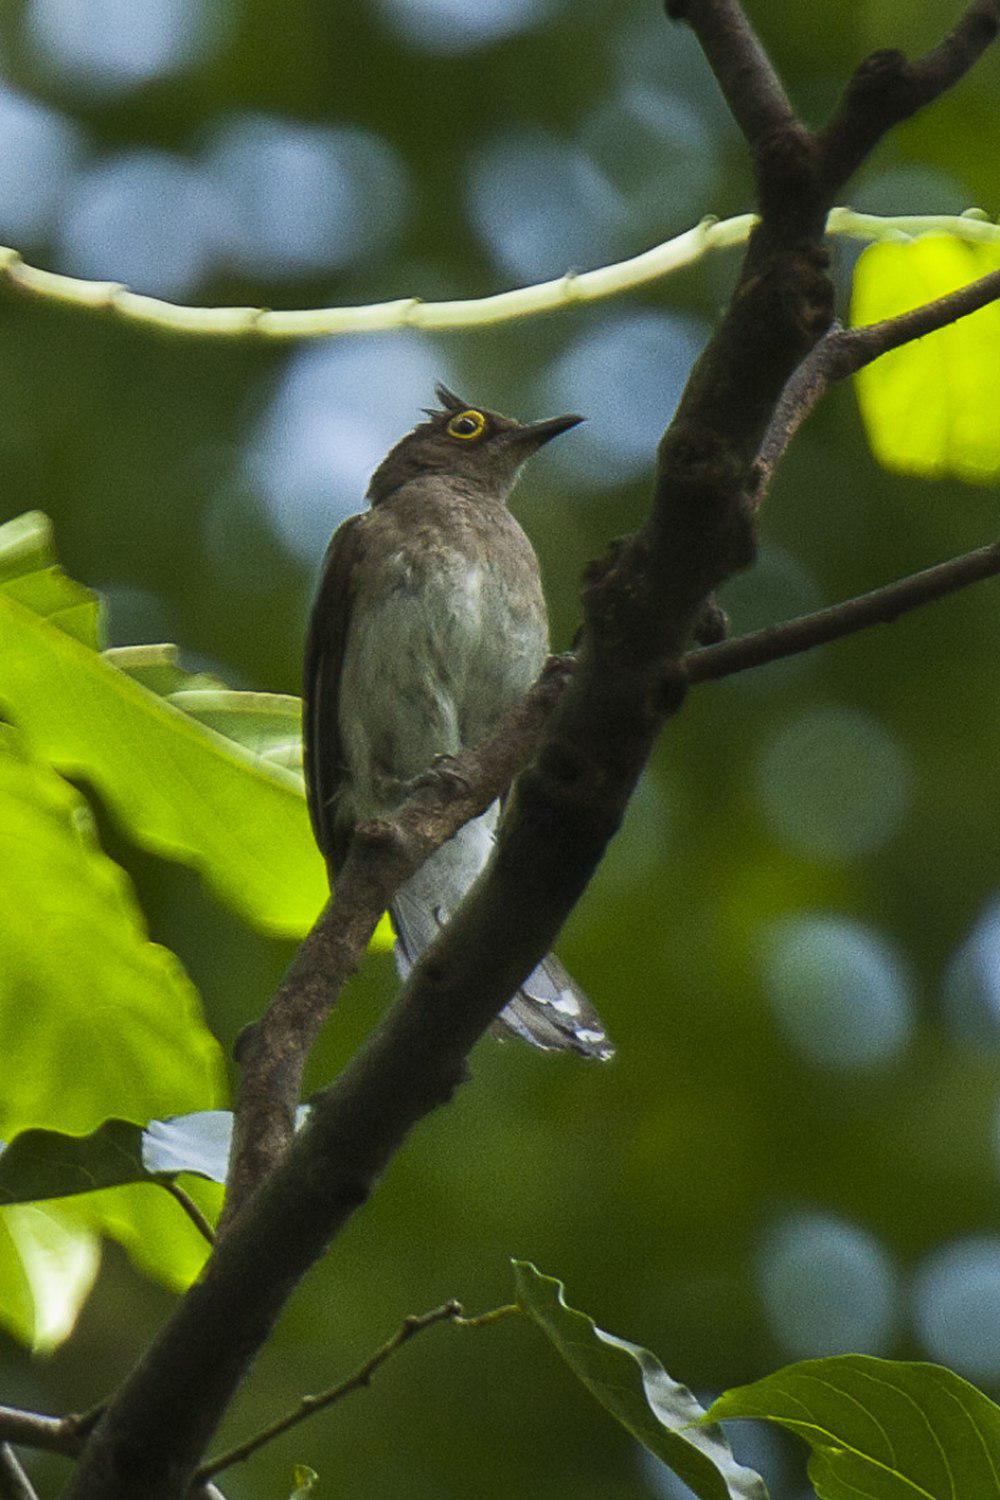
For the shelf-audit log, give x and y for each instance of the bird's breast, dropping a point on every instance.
(446, 635)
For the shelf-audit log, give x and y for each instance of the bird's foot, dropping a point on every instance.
(444, 773)
(712, 624)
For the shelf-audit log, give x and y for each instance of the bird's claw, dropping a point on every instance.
(443, 770)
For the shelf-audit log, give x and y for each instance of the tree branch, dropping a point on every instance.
(273, 1051)
(886, 89)
(745, 74)
(62, 1435)
(14, 1482)
(29, 1429)
(844, 351)
(880, 607)
(640, 605)
(450, 1312)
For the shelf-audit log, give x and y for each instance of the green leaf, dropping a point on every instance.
(40, 1164)
(634, 1387)
(29, 573)
(930, 407)
(305, 1481)
(157, 1235)
(48, 1261)
(269, 724)
(882, 1428)
(95, 1020)
(182, 789)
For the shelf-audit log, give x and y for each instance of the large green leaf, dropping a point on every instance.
(930, 408)
(881, 1428)
(183, 789)
(633, 1386)
(95, 1020)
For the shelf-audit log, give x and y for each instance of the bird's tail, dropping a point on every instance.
(549, 1011)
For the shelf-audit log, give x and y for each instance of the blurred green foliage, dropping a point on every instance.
(720, 1151)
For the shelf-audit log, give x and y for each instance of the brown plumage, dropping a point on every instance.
(430, 625)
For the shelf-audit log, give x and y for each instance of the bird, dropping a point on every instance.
(428, 626)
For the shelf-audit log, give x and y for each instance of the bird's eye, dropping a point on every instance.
(468, 425)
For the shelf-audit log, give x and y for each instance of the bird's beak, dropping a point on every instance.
(534, 434)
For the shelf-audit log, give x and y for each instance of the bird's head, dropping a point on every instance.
(478, 448)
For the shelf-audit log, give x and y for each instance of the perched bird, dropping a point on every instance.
(430, 625)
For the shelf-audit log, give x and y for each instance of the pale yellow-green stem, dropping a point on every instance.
(471, 312)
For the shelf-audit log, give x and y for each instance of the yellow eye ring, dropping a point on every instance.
(467, 426)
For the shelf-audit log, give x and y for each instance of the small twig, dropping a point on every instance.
(190, 1207)
(844, 351)
(449, 1312)
(14, 1482)
(880, 607)
(30, 1429)
(84, 1423)
(495, 1315)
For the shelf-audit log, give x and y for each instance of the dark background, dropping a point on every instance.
(796, 939)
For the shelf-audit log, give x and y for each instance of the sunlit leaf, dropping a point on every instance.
(633, 1386)
(48, 1260)
(882, 1428)
(95, 1020)
(30, 574)
(930, 408)
(157, 1234)
(305, 1481)
(183, 790)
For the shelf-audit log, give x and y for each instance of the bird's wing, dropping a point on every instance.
(325, 643)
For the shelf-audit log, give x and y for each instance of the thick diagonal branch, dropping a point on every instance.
(639, 608)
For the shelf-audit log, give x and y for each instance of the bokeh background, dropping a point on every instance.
(796, 938)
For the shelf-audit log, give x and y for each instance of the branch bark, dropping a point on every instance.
(29, 1429)
(640, 604)
(14, 1482)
